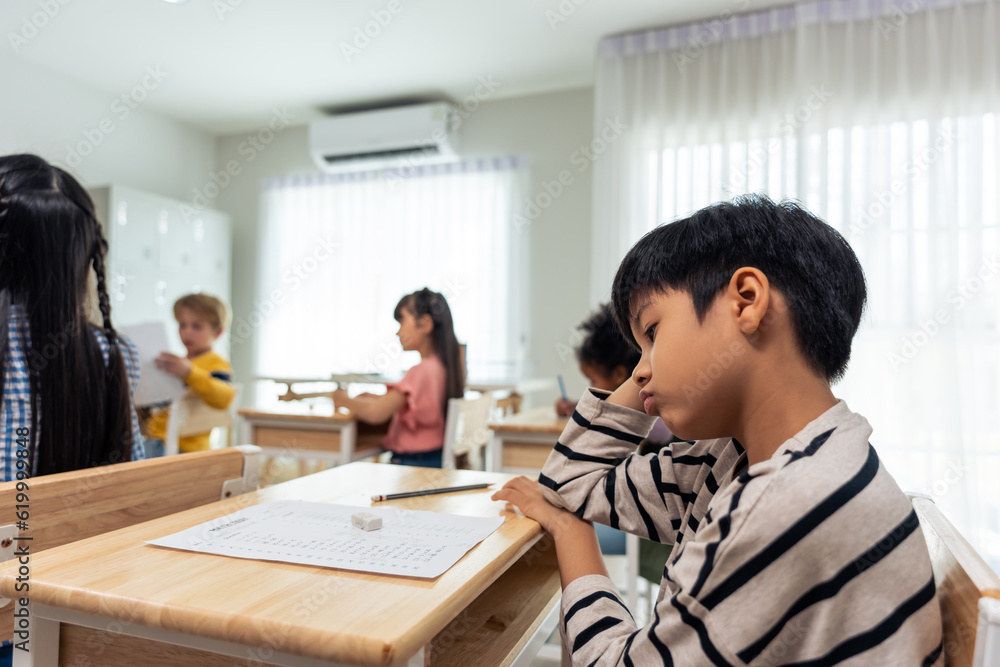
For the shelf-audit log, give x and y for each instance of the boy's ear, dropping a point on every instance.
(750, 294)
(219, 331)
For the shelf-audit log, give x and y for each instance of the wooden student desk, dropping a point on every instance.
(114, 600)
(513, 386)
(521, 443)
(294, 430)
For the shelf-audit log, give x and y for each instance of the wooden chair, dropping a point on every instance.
(510, 404)
(465, 431)
(71, 506)
(968, 591)
(189, 415)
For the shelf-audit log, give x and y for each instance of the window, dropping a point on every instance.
(925, 368)
(338, 252)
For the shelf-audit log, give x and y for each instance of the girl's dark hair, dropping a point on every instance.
(433, 304)
(804, 258)
(50, 239)
(603, 345)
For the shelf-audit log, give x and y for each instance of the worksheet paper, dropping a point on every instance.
(411, 542)
(155, 386)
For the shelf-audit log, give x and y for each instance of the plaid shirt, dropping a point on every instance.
(16, 410)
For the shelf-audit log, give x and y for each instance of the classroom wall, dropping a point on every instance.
(97, 135)
(547, 128)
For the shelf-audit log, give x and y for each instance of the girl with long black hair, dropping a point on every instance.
(66, 383)
(418, 403)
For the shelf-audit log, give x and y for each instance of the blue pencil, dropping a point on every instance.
(562, 388)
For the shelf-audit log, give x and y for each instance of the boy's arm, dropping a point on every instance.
(756, 585)
(595, 625)
(595, 473)
(215, 387)
(597, 629)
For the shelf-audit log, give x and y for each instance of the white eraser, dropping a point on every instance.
(366, 521)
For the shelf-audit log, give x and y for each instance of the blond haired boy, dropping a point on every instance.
(201, 319)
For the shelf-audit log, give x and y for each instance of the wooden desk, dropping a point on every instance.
(296, 431)
(522, 442)
(113, 600)
(518, 386)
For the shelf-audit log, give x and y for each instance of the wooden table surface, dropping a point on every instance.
(337, 615)
(536, 420)
(296, 414)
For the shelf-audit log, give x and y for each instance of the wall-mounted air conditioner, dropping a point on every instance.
(385, 138)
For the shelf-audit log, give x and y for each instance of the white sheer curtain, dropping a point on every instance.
(338, 252)
(882, 119)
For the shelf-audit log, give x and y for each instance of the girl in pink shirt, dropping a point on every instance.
(418, 402)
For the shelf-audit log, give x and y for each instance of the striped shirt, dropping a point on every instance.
(812, 557)
(16, 410)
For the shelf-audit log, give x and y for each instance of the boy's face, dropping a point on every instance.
(688, 372)
(195, 331)
(599, 378)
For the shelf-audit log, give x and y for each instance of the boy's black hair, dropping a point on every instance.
(604, 345)
(804, 258)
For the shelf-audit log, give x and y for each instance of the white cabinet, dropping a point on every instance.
(158, 250)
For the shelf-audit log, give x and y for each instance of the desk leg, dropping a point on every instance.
(249, 436)
(488, 452)
(538, 638)
(43, 644)
(632, 571)
(419, 659)
(348, 438)
(494, 458)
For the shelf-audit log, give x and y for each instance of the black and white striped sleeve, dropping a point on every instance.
(812, 557)
(594, 471)
(598, 630)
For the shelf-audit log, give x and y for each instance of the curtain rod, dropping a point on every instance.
(729, 24)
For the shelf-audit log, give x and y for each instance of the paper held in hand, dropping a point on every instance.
(155, 386)
(413, 543)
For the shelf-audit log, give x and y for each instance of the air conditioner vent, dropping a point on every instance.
(426, 150)
(385, 138)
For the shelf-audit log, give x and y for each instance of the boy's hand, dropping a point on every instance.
(524, 494)
(171, 363)
(565, 408)
(628, 395)
(339, 397)
(577, 549)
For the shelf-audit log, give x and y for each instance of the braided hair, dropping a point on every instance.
(50, 241)
(446, 347)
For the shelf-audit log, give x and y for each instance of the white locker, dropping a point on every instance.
(159, 251)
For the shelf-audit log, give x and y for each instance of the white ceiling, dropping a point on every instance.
(228, 63)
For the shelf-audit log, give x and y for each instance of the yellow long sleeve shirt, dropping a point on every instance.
(210, 380)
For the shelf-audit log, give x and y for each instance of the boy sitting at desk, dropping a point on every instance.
(606, 359)
(793, 543)
(201, 319)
